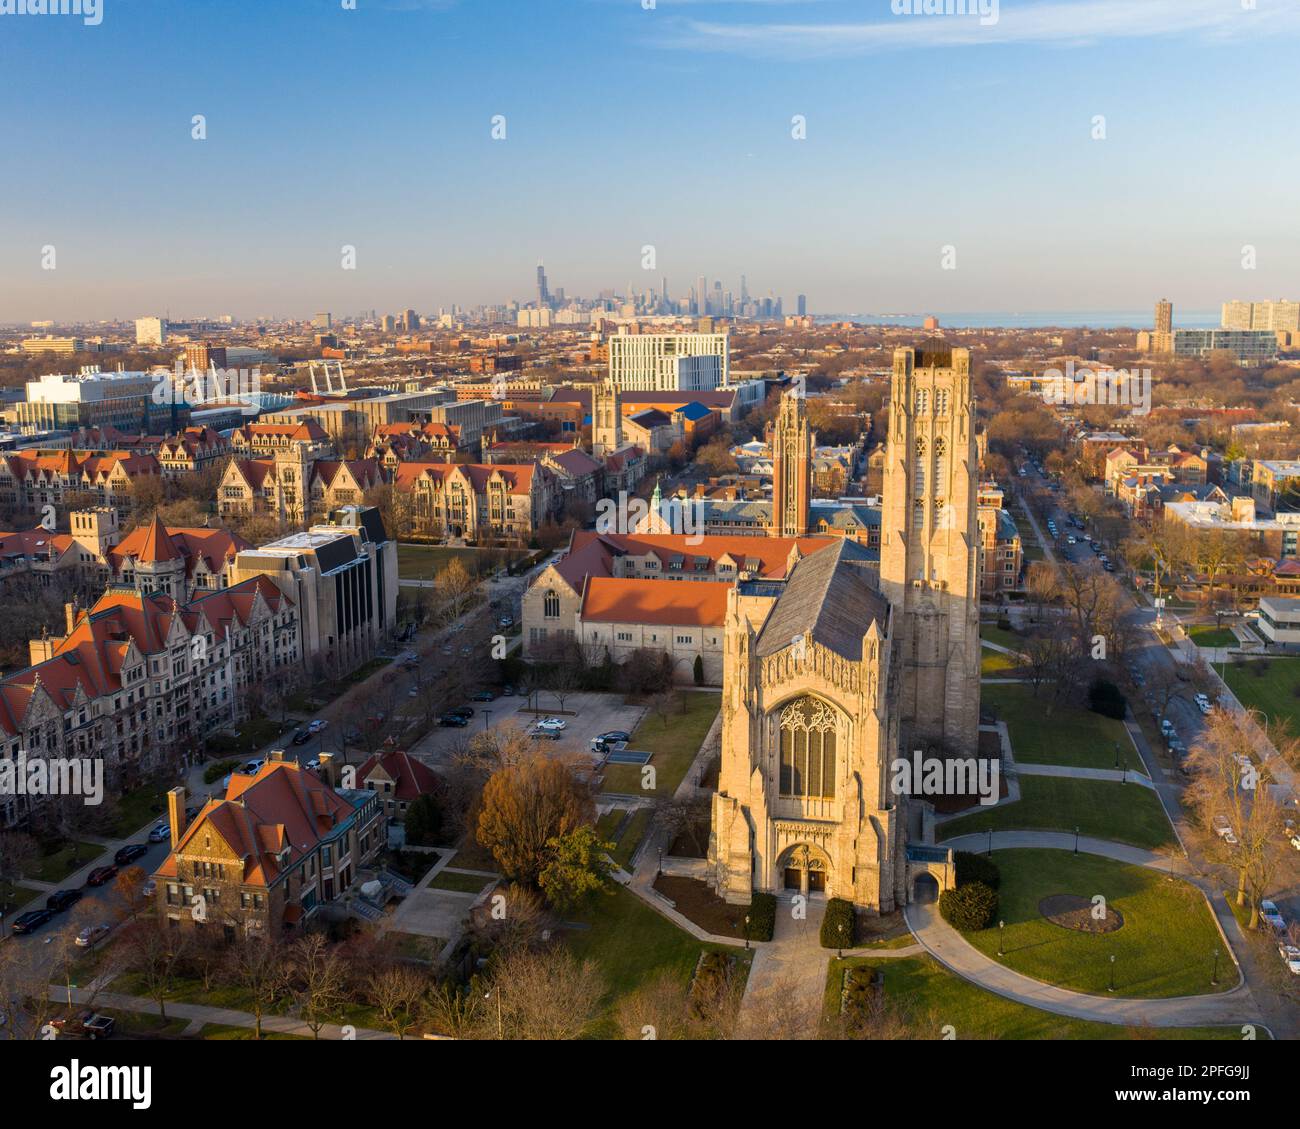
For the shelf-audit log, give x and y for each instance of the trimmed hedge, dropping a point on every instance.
(976, 868)
(969, 908)
(1105, 698)
(839, 926)
(762, 916)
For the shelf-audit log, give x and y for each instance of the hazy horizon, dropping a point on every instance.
(628, 127)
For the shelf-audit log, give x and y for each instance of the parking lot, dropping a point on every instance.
(584, 716)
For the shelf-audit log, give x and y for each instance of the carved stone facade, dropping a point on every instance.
(930, 545)
(832, 673)
(792, 444)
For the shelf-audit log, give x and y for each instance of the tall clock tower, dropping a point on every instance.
(929, 546)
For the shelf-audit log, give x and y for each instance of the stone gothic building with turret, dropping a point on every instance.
(851, 663)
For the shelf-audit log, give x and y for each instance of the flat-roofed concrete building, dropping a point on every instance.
(1279, 620)
(670, 362)
(342, 577)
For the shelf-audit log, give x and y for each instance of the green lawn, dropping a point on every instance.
(993, 634)
(925, 985)
(1124, 813)
(1273, 691)
(419, 562)
(57, 866)
(1068, 736)
(1165, 947)
(1203, 635)
(996, 662)
(632, 945)
(674, 746)
(141, 805)
(465, 883)
(221, 1031)
(18, 896)
(633, 832)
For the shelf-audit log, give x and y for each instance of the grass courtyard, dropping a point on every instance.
(632, 945)
(991, 633)
(1268, 685)
(1068, 736)
(1164, 948)
(932, 991)
(1124, 813)
(673, 740)
(994, 663)
(1204, 635)
(421, 562)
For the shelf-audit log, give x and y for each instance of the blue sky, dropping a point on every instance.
(626, 127)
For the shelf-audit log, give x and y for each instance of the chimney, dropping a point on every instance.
(70, 617)
(176, 814)
(275, 756)
(327, 769)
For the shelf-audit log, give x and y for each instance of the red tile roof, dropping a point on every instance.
(685, 604)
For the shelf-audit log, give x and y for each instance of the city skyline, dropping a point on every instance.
(376, 133)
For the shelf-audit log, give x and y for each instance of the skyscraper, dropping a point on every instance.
(701, 295)
(1163, 338)
(803, 305)
(543, 294)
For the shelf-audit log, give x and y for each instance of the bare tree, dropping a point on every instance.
(153, 951)
(548, 995)
(397, 990)
(261, 966)
(319, 980)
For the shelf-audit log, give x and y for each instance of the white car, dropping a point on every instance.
(1205, 708)
(1291, 955)
(1222, 828)
(552, 723)
(317, 726)
(92, 933)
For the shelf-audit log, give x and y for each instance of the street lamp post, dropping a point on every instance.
(746, 932)
(1076, 840)
(1002, 938)
(840, 953)
(1214, 980)
(660, 872)
(990, 850)
(1111, 987)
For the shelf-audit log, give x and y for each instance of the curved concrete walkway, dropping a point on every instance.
(1118, 775)
(950, 949)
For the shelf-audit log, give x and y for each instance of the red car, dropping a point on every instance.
(100, 875)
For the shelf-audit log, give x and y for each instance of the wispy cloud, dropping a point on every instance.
(1051, 22)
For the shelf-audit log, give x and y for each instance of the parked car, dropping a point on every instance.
(483, 696)
(128, 854)
(313, 764)
(159, 832)
(92, 933)
(85, 1025)
(454, 720)
(556, 723)
(1272, 915)
(32, 919)
(149, 888)
(318, 726)
(506, 621)
(251, 768)
(100, 875)
(540, 734)
(1291, 956)
(463, 711)
(60, 900)
(300, 737)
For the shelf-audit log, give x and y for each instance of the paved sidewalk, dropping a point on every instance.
(789, 974)
(1130, 776)
(202, 1014)
(1064, 841)
(948, 947)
